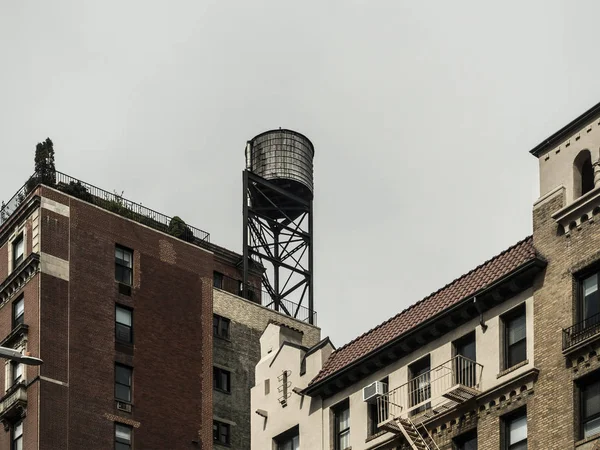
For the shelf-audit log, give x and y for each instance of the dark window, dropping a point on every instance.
(17, 436)
(123, 325)
(221, 379)
(123, 378)
(290, 440)
(419, 387)
(465, 369)
(124, 265)
(590, 406)
(583, 174)
(18, 248)
(221, 432)
(373, 412)
(218, 280)
(122, 436)
(342, 425)
(515, 337)
(466, 441)
(515, 432)
(17, 370)
(220, 326)
(18, 311)
(589, 305)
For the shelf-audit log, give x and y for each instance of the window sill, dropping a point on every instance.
(587, 440)
(375, 436)
(222, 391)
(512, 369)
(220, 444)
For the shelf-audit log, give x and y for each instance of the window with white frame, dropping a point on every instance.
(19, 311)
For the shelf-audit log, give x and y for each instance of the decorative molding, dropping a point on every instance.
(18, 278)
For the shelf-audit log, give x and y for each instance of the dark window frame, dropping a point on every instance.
(122, 325)
(417, 369)
(465, 372)
(462, 439)
(218, 381)
(580, 310)
(220, 437)
(121, 270)
(505, 428)
(506, 318)
(218, 279)
(20, 239)
(222, 327)
(373, 412)
(287, 437)
(581, 384)
(338, 432)
(17, 320)
(120, 443)
(128, 386)
(14, 438)
(14, 379)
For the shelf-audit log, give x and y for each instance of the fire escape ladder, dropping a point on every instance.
(414, 437)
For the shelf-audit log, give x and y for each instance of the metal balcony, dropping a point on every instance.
(13, 404)
(430, 394)
(581, 332)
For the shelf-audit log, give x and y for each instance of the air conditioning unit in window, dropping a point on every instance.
(373, 391)
(122, 406)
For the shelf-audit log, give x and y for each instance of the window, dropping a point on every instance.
(515, 337)
(123, 383)
(419, 388)
(589, 304)
(342, 425)
(17, 437)
(218, 280)
(220, 326)
(590, 406)
(221, 433)
(122, 436)
(373, 412)
(466, 441)
(17, 372)
(465, 372)
(515, 432)
(124, 265)
(18, 248)
(18, 311)
(290, 440)
(221, 379)
(583, 174)
(124, 325)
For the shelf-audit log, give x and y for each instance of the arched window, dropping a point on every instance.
(583, 174)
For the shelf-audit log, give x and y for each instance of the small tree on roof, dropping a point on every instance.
(44, 162)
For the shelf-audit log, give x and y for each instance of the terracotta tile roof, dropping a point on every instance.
(459, 289)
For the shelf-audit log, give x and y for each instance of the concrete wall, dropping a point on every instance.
(241, 353)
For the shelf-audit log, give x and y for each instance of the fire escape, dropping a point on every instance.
(407, 409)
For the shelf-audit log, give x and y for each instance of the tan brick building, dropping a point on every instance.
(504, 357)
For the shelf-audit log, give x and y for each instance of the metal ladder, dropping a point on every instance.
(416, 439)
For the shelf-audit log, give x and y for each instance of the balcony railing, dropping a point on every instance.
(262, 297)
(109, 201)
(433, 392)
(581, 332)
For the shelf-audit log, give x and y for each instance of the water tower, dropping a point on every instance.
(278, 194)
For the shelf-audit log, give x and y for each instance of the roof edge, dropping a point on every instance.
(313, 389)
(571, 127)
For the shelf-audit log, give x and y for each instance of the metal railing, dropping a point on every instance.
(8, 208)
(110, 201)
(263, 298)
(581, 331)
(427, 390)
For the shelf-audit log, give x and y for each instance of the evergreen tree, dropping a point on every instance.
(45, 171)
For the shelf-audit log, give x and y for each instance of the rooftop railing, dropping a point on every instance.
(581, 332)
(109, 201)
(262, 297)
(432, 392)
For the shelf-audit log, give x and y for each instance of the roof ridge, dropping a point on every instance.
(488, 261)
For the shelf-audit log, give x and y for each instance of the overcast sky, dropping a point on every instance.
(422, 115)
